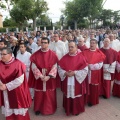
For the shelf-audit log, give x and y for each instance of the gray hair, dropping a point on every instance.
(81, 38)
(9, 50)
(94, 40)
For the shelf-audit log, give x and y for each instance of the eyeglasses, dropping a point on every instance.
(55, 36)
(44, 42)
(3, 54)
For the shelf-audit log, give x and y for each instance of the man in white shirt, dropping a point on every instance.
(115, 44)
(24, 57)
(38, 43)
(58, 46)
(32, 45)
(60, 49)
(64, 39)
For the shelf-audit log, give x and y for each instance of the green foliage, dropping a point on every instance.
(20, 12)
(3, 30)
(9, 22)
(38, 7)
(43, 20)
(27, 9)
(2, 5)
(76, 10)
(109, 17)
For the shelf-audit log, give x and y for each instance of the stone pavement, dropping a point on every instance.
(108, 109)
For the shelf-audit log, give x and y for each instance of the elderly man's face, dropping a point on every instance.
(111, 37)
(80, 42)
(93, 45)
(72, 48)
(5, 57)
(106, 42)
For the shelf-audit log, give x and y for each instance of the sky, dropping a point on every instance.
(55, 7)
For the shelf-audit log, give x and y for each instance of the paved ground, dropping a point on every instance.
(108, 109)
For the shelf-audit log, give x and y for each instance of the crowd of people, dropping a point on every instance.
(83, 63)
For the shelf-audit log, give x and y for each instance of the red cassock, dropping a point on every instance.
(116, 87)
(117, 75)
(20, 96)
(105, 86)
(94, 57)
(82, 48)
(74, 63)
(44, 60)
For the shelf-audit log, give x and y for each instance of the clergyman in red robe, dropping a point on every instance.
(73, 70)
(116, 85)
(108, 68)
(81, 44)
(42, 78)
(13, 84)
(95, 60)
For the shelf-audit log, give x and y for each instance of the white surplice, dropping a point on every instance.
(59, 48)
(25, 58)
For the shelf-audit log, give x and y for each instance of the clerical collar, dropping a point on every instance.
(106, 48)
(92, 50)
(10, 61)
(57, 41)
(22, 53)
(78, 51)
(111, 41)
(83, 44)
(44, 50)
(30, 43)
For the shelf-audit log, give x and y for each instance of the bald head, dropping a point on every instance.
(72, 47)
(107, 39)
(106, 42)
(81, 41)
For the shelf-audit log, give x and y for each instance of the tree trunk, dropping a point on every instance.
(34, 23)
(75, 24)
(90, 25)
(21, 26)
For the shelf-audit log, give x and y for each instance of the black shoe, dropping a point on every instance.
(104, 97)
(76, 114)
(37, 112)
(90, 105)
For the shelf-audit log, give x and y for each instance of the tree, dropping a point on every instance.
(9, 22)
(5, 4)
(106, 17)
(27, 9)
(43, 20)
(77, 10)
(116, 17)
(20, 11)
(109, 17)
(2, 5)
(38, 8)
